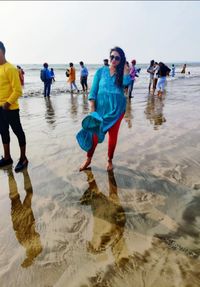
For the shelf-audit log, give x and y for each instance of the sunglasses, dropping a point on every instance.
(112, 57)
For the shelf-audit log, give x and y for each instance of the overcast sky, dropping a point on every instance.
(60, 32)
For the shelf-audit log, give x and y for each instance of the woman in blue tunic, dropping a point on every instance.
(108, 102)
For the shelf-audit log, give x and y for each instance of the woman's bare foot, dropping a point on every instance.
(85, 164)
(109, 165)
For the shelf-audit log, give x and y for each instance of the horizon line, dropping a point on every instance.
(138, 63)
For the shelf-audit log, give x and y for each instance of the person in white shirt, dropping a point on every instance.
(150, 70)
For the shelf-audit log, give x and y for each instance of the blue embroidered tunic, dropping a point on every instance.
(110, 104)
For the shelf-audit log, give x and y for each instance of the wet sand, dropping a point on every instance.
(138, 226)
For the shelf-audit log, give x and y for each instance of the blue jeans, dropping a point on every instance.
(73, 85)
(47, 89)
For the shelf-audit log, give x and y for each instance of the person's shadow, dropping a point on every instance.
(23, 218)
(109, 219)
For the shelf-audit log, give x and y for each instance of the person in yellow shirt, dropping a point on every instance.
(10, 91)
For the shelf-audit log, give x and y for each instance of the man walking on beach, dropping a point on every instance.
(84, 75)
(10, 91)
(46, 77)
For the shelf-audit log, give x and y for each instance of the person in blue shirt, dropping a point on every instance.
(108, 103)
(52, 75)
(83, 76)
(47, 79)
(173, 71)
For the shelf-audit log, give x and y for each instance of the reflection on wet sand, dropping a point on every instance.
(190, 218)
(150, 259)
(156, 220)
(74, 105)
(188, 231)
(129, 113)
(109, 219)
(23, 218)
(85, 103)
(154, 110)
(50, 113)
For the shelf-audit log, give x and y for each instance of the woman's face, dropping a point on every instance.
(114, 59)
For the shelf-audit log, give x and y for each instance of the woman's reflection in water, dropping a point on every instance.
(109, 219)
(23, 218)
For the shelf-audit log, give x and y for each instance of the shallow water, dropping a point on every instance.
(138, 226)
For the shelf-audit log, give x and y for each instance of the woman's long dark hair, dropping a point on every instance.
(120, 67)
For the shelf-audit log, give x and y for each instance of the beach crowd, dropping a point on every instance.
(112, 83)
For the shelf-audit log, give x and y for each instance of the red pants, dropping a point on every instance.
(112, 139)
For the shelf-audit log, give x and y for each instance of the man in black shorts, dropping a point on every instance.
(10, 91)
